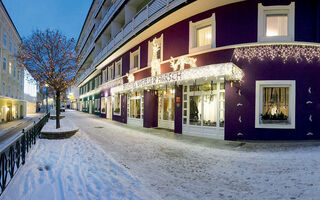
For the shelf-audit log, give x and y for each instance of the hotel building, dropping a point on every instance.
(226, 69)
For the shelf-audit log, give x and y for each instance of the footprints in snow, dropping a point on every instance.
(46, 167)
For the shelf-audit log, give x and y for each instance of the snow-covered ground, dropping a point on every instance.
(109, 158)
(70, 169)
(65, 126)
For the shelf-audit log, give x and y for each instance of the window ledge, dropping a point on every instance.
(117, 114)
(202, 48)
(133, 69)
(276, 126)
(276, 39)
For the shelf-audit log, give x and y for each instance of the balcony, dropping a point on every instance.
(152, 11)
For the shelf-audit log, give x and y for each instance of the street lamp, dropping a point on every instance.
(47, 86)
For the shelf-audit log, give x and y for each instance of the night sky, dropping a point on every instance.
(65, 15)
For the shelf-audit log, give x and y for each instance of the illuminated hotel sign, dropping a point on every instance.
(227, 70)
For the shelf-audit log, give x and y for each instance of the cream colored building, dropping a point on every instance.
(12, 105)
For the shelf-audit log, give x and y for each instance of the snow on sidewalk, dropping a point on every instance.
(73, 168)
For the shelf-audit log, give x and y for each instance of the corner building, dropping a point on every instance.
(224, 69)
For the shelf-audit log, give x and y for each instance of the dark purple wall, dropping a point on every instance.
(178, 110)
(150, 114)
(306, 75)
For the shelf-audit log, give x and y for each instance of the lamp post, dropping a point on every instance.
(46, 86)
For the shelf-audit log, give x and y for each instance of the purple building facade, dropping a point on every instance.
(234, 70)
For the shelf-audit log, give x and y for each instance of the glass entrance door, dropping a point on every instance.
(135, 108)
(166, 109)
(203, 109)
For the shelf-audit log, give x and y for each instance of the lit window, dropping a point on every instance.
(276, 23)
(135, 60)
(118, 68)
(117, 104)
(202, 34)
(275, 104)
(110, 72)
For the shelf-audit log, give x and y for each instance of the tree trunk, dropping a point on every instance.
(57, 109)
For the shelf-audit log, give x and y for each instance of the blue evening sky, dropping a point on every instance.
(65, 15)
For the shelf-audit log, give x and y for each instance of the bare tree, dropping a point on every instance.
(52, 60)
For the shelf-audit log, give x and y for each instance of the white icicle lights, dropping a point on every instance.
(298, 53)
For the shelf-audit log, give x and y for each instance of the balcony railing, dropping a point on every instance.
(149, 13)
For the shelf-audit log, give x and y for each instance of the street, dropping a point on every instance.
(110, 160)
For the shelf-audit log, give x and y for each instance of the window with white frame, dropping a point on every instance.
(96, 82)
(103, 76)
(4, 65)
(110, 72)
(275, 104)
(135, 60)
(117, 104)
(118, 68)
(276, 23)
(103, 105)
(202, 34)
(159, 54)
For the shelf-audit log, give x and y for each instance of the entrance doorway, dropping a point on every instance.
(204, 110)
(135, 108)
(166, 109)
(109, 108)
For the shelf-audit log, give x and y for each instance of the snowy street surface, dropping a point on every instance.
(110, 160)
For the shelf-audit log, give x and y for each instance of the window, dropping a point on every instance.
(275, 104)
(105, 75)
(5, 40)
(96, 82)
(118, 68)
(110, 72)
(117, 104)
(159, 55)
(14, 71)
(4, 64)
(202, 34)
(135, 105)
(10, 46)
(204, 105)
(135, 60)
(276, 23)
(103, 105)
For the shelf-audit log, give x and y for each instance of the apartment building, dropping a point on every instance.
(225, 69)
(12, 105)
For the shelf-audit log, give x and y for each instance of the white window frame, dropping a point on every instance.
(263, 11)
(132, 55)
(291, 84)
(110, 75)
(193, 26)
(159, 40)
(118, 73)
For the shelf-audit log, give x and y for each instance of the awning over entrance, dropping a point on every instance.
(228, 71)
